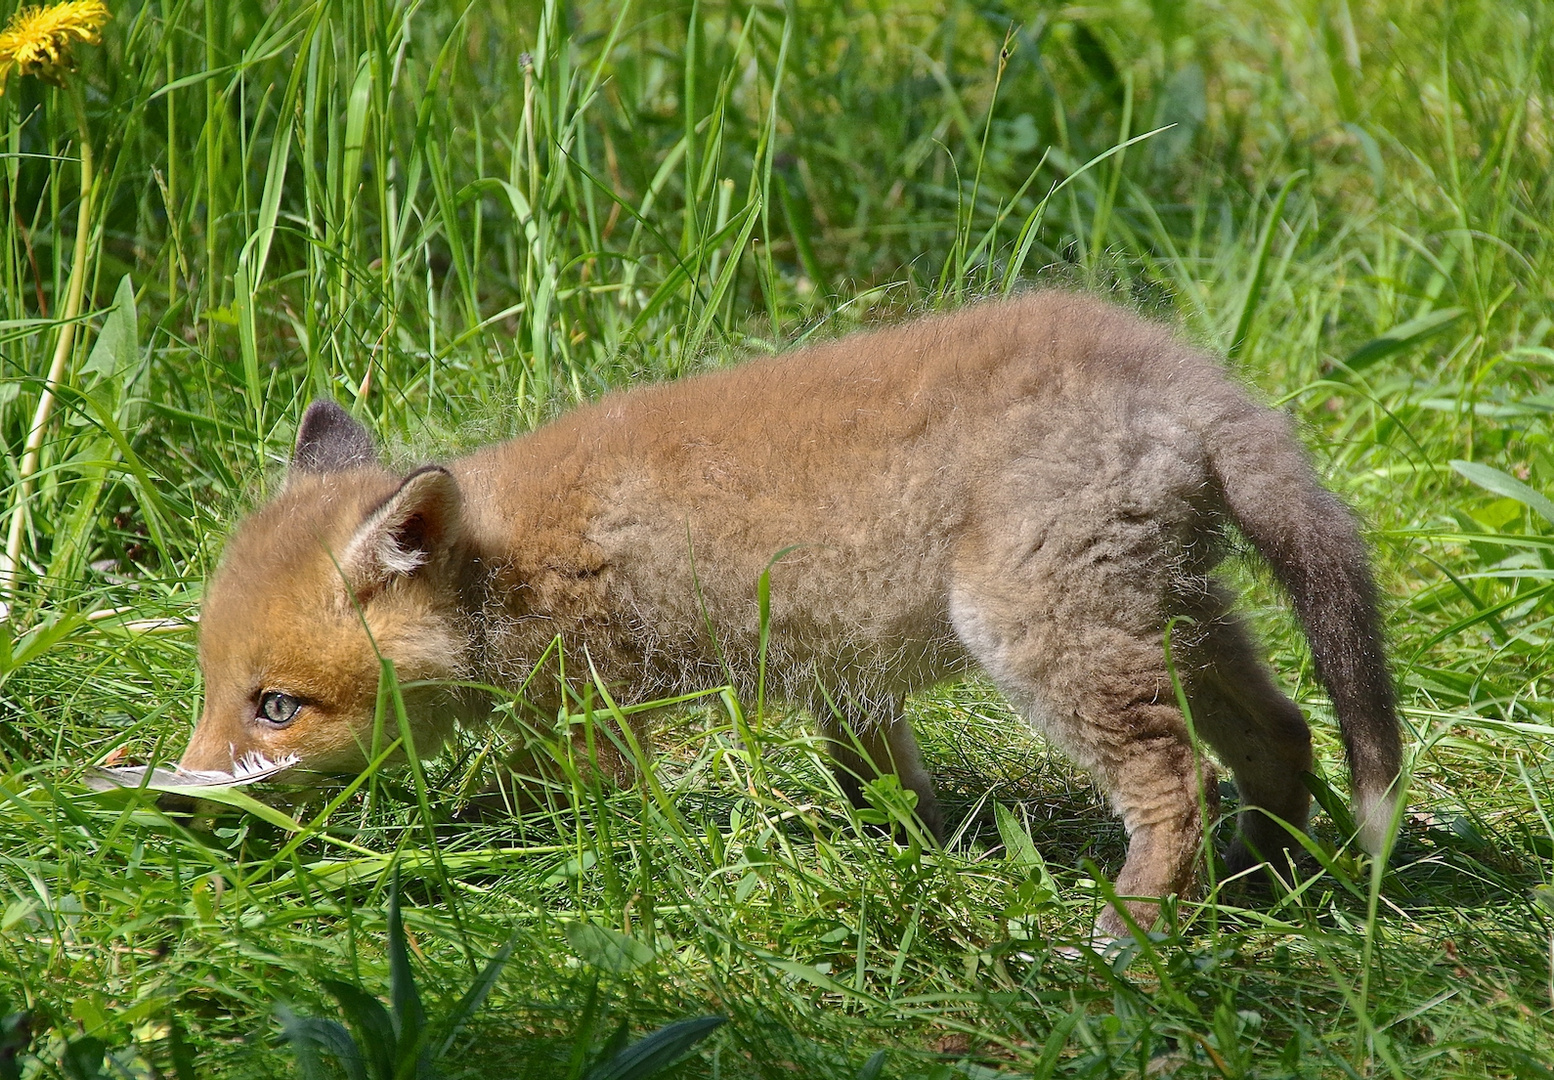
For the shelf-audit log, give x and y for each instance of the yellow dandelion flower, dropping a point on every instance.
(38, 40)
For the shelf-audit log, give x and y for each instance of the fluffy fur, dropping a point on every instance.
(1034, 487)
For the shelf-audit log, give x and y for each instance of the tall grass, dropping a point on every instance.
(460, 220)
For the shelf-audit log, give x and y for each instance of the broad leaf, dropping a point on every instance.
(1492, 479)
(1400, 337)
(656, 1052)
(607, 949)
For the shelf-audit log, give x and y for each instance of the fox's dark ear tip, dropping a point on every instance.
(329, 440)
(320, 408)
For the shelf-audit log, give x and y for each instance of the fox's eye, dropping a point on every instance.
(277, 708)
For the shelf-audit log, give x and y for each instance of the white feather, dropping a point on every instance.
(251, 769)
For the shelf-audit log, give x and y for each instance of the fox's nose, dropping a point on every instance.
(207, 751)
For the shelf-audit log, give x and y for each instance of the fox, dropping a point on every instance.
(1037, 488)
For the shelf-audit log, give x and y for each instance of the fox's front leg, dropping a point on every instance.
(874, 739)
(548, 768)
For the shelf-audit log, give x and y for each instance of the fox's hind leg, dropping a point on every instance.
(1082, 661)
(870, 740)
(1257, 732)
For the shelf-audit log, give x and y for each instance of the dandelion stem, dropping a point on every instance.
(62, 350)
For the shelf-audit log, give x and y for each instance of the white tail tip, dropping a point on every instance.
(1375, 817)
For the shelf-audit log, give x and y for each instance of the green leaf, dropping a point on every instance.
(116, 350)
(1400, 337)
(374, 1028)
(656, 1052)
(1052, 1049)
(179, 1050)
(15, 912)
(234, 797)
(609, 950)
(1019, 848)
(1492, 479)
(256, 252)
(1254, 287)
(1331, 801)
(475, 996)
(571, 868)
(310, 1034)
(811, 974)
(83, 1059)
(409, 1016)
(356, 126)
(16, 651)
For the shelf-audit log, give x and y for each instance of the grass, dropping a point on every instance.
(459, 222)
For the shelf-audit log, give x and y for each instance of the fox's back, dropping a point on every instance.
(863, 463)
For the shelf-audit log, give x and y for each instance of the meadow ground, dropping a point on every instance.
(460, 220)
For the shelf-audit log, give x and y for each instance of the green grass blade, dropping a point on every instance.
(654, 1053)
(1254, 287)
(1492, 479)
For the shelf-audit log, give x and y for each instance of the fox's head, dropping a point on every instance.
(348, 566)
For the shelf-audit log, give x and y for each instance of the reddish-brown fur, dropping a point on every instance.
(1034, 487)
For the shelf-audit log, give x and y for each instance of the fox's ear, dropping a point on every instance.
(405, 533)
(328, 440)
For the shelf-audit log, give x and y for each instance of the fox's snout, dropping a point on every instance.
(207, 752)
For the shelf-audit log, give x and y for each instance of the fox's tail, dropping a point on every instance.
(1311, 542)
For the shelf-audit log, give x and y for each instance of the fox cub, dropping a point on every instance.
(1034, 488)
